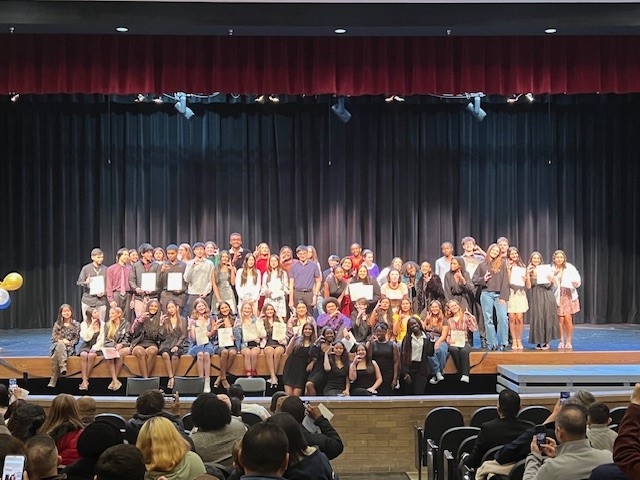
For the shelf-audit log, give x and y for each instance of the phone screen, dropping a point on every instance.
(564, 396)
(169, 400)
(13, 467)
(541, 434)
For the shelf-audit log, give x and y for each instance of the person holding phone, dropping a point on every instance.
(364, 373)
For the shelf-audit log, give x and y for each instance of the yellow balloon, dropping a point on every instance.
(12, 281)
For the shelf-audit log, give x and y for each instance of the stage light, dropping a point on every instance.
(340, 31)
(529, 97)
(261, 99)
(274, 99)
(394, 98)
(181, 105)
(514, 98)
(140, 98)
(158, 99)
(122, 29)
(474, 109)
(550, 31)
(14, 97)
(341, 112)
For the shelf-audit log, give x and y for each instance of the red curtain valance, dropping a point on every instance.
(318, 65)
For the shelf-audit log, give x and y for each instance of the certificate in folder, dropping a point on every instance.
(360, 290)
(174, 281)
(148, 282)
(249, 333)
(96, 285)
(110, 353)
(225, 337)
(279, 332)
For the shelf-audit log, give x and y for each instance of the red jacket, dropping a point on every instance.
(68, 446)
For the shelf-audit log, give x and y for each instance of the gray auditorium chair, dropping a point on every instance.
(188, 385)
(136, 386)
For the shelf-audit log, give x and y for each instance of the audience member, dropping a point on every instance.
(25, 421)
(626, 450)
(274, 401)
(43, 459)
(598, 431)
(236, 391)
(166, 452)
(94, 440)
(328, 440)
(571, 457)
(499, 431)
(216, 430)
(9, 445)
(264, 452)
(64, 425)
(87, 409)
(149, 405)
(120, 462)
(305, 462)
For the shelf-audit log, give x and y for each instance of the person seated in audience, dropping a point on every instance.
(415, 350)
(94, 440)
(305, 462)
(64, 425)
(364, 373)
(64, 337)
(273, 406)
(87, 409)
(626, 450)
(264, 452)
(327, 440)
(608, 471)
(598, 431)
(166, 452)
(499, 431)
(216, 430)
(150, 405)
(26, 420)
(236, 391)
(120, 462)
(42, 459)
(571, 457)
(10, 445)
(146, 338)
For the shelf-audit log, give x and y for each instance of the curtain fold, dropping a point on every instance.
(112, 64)
(400, 179)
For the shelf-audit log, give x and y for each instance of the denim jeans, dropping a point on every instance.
(489, 300)
(439, 359)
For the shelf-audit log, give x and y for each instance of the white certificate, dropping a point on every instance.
(471, 268)
(148, 282)
(297, 330)
(249, 333)
(110, 353)
(279, 332)
(543, 272)
(360, 290)
(225, 337)
(201, 335)
(96, 285)
(458, 338)
(517, 276)
(174, 281)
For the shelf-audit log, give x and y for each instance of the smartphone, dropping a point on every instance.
(564, 396)
(169, 400)
(541, 434)
(13, 383)
(13, 467)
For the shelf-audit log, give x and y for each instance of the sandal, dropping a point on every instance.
(225, 384)
(561, 346)
(84, 386)
(170, 383)
(273, 383)
(216, 384)
(110, 387)
(568, 346)
(249, 373)
(117, 385)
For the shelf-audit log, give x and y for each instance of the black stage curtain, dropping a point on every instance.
(79, 172)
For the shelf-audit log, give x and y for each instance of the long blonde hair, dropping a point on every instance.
(112, 326)
(161, 444)
(64, 409)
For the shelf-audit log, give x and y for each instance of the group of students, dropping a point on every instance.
(400, 323)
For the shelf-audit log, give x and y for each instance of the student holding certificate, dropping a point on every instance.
(274, 342)
(224, 341)
(542, 304)
(251, 332)
(517, 304)
(566, 280)
(201, 329)
(460, 324)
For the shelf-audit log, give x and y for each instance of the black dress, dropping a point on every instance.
(336, 380)
(383, 356)
(295, 368)
(318, 376)
(363, 380)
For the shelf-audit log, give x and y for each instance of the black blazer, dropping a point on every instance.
(493, 433)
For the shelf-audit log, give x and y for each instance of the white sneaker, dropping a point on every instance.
(433, 380)
(207, 385)
(464, 378)
(439, 376)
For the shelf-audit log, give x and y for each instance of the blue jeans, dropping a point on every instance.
(439, 359)
(489, 300)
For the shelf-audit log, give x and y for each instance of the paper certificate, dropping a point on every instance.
(458, 338)
(148, 282)
(110, 353)
(201, 335)
(174, 281)
(297, 330)
(279, 333)
(471, 268)
(96, 285)
(225, 337)
(517, 276)
(249, 333)
(360, 290)
(543, 272)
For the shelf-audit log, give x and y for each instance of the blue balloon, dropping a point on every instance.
(6, 304)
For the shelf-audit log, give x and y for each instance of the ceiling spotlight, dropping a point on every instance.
(158, 99)
(14, 97)
(550, 31)
(529, 96)
(340, 31)
(261, 99)
(122, 29)
(514, 98)
(181, 105)
(394, 98)
(140, 98)
(474, 109)
(274, 99)
(341, 112)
